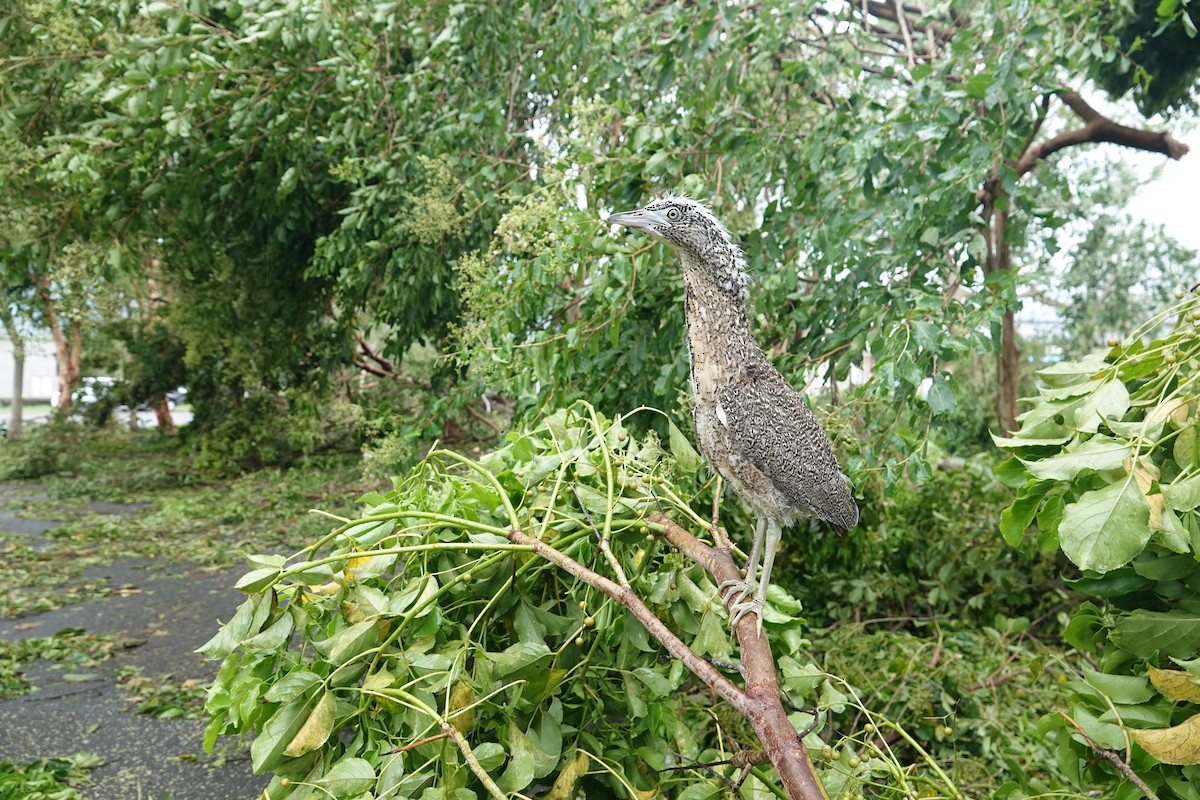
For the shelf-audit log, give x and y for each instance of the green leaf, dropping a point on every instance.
(1117, 583)
(1167, 633)
(1183, 495)
(266, 751)
(1068, 373)
(659, 685)
(1110, 400)
(1127, 689)
(1106, 528)
(1015, 519)
(278, 634)
(1017, 442)
(681, 448)
(292, 685)
(256, 580)
(353, 641)
(348, 777)
(237, 629)
(526, 762)
(940, 396)
(517, 657)
(489, 755)
(1100, 453)
(1012, 473)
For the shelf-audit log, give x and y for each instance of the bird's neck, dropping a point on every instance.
(718, 325)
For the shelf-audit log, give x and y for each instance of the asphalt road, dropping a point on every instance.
(171, 609)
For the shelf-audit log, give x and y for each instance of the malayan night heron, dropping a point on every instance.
(751, 425)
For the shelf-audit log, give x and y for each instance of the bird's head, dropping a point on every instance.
(677, 222)
(691, 230)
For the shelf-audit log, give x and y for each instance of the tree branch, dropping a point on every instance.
(1099, 128)
(366, 351)
(759, 702)
(763, 708)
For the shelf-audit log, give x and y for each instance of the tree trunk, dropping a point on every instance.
(162, 411)
(68, 348)
(1008, 374)
(18, 384)
(999, 259)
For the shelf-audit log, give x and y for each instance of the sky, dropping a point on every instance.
(1169, 194)
(1173, 197)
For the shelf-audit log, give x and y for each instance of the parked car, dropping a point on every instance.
(90, 391)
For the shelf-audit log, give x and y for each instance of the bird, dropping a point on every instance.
(750, 424)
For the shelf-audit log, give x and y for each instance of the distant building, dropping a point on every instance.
(41, 371)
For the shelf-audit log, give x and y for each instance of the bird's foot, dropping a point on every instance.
(734, 592)
(744, 607)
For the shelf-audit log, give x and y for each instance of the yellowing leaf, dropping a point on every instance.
(1177, 745)
(1175, 684)
(1145, 473)
(564, 784)
(461, 697)
(1174, 409)
(316, 728)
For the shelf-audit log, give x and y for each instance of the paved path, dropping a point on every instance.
(176, 610)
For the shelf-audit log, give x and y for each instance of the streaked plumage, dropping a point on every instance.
(751, 425)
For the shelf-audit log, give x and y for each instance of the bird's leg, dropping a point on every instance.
(755, 606)
(734, 592)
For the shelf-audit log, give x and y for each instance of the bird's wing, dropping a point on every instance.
(780, 436)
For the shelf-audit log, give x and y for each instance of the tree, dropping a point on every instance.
(49, 240)
(374, 152)
(16, 414)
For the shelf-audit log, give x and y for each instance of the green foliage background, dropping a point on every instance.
(262, 198)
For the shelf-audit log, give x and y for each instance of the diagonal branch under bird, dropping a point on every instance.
(751, 425)
(759, 701)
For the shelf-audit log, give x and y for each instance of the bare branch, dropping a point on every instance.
(368, 352)
(1099, 128)
(1115, 758)
(675, 646)
(902, 19)
(760, 701)
(763, 707)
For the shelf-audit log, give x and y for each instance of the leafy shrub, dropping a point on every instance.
(1107, 466)
(41, 450)
(929, 549)
(359, 660)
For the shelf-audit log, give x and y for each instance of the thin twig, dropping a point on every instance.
(902, 21)
(1115, 758)
(417, 743)
(472, 761)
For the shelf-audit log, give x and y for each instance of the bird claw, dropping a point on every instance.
(734, 592)
(742, 608)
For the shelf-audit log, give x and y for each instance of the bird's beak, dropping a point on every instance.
(640, 220)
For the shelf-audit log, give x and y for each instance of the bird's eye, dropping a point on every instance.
(674, 214)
